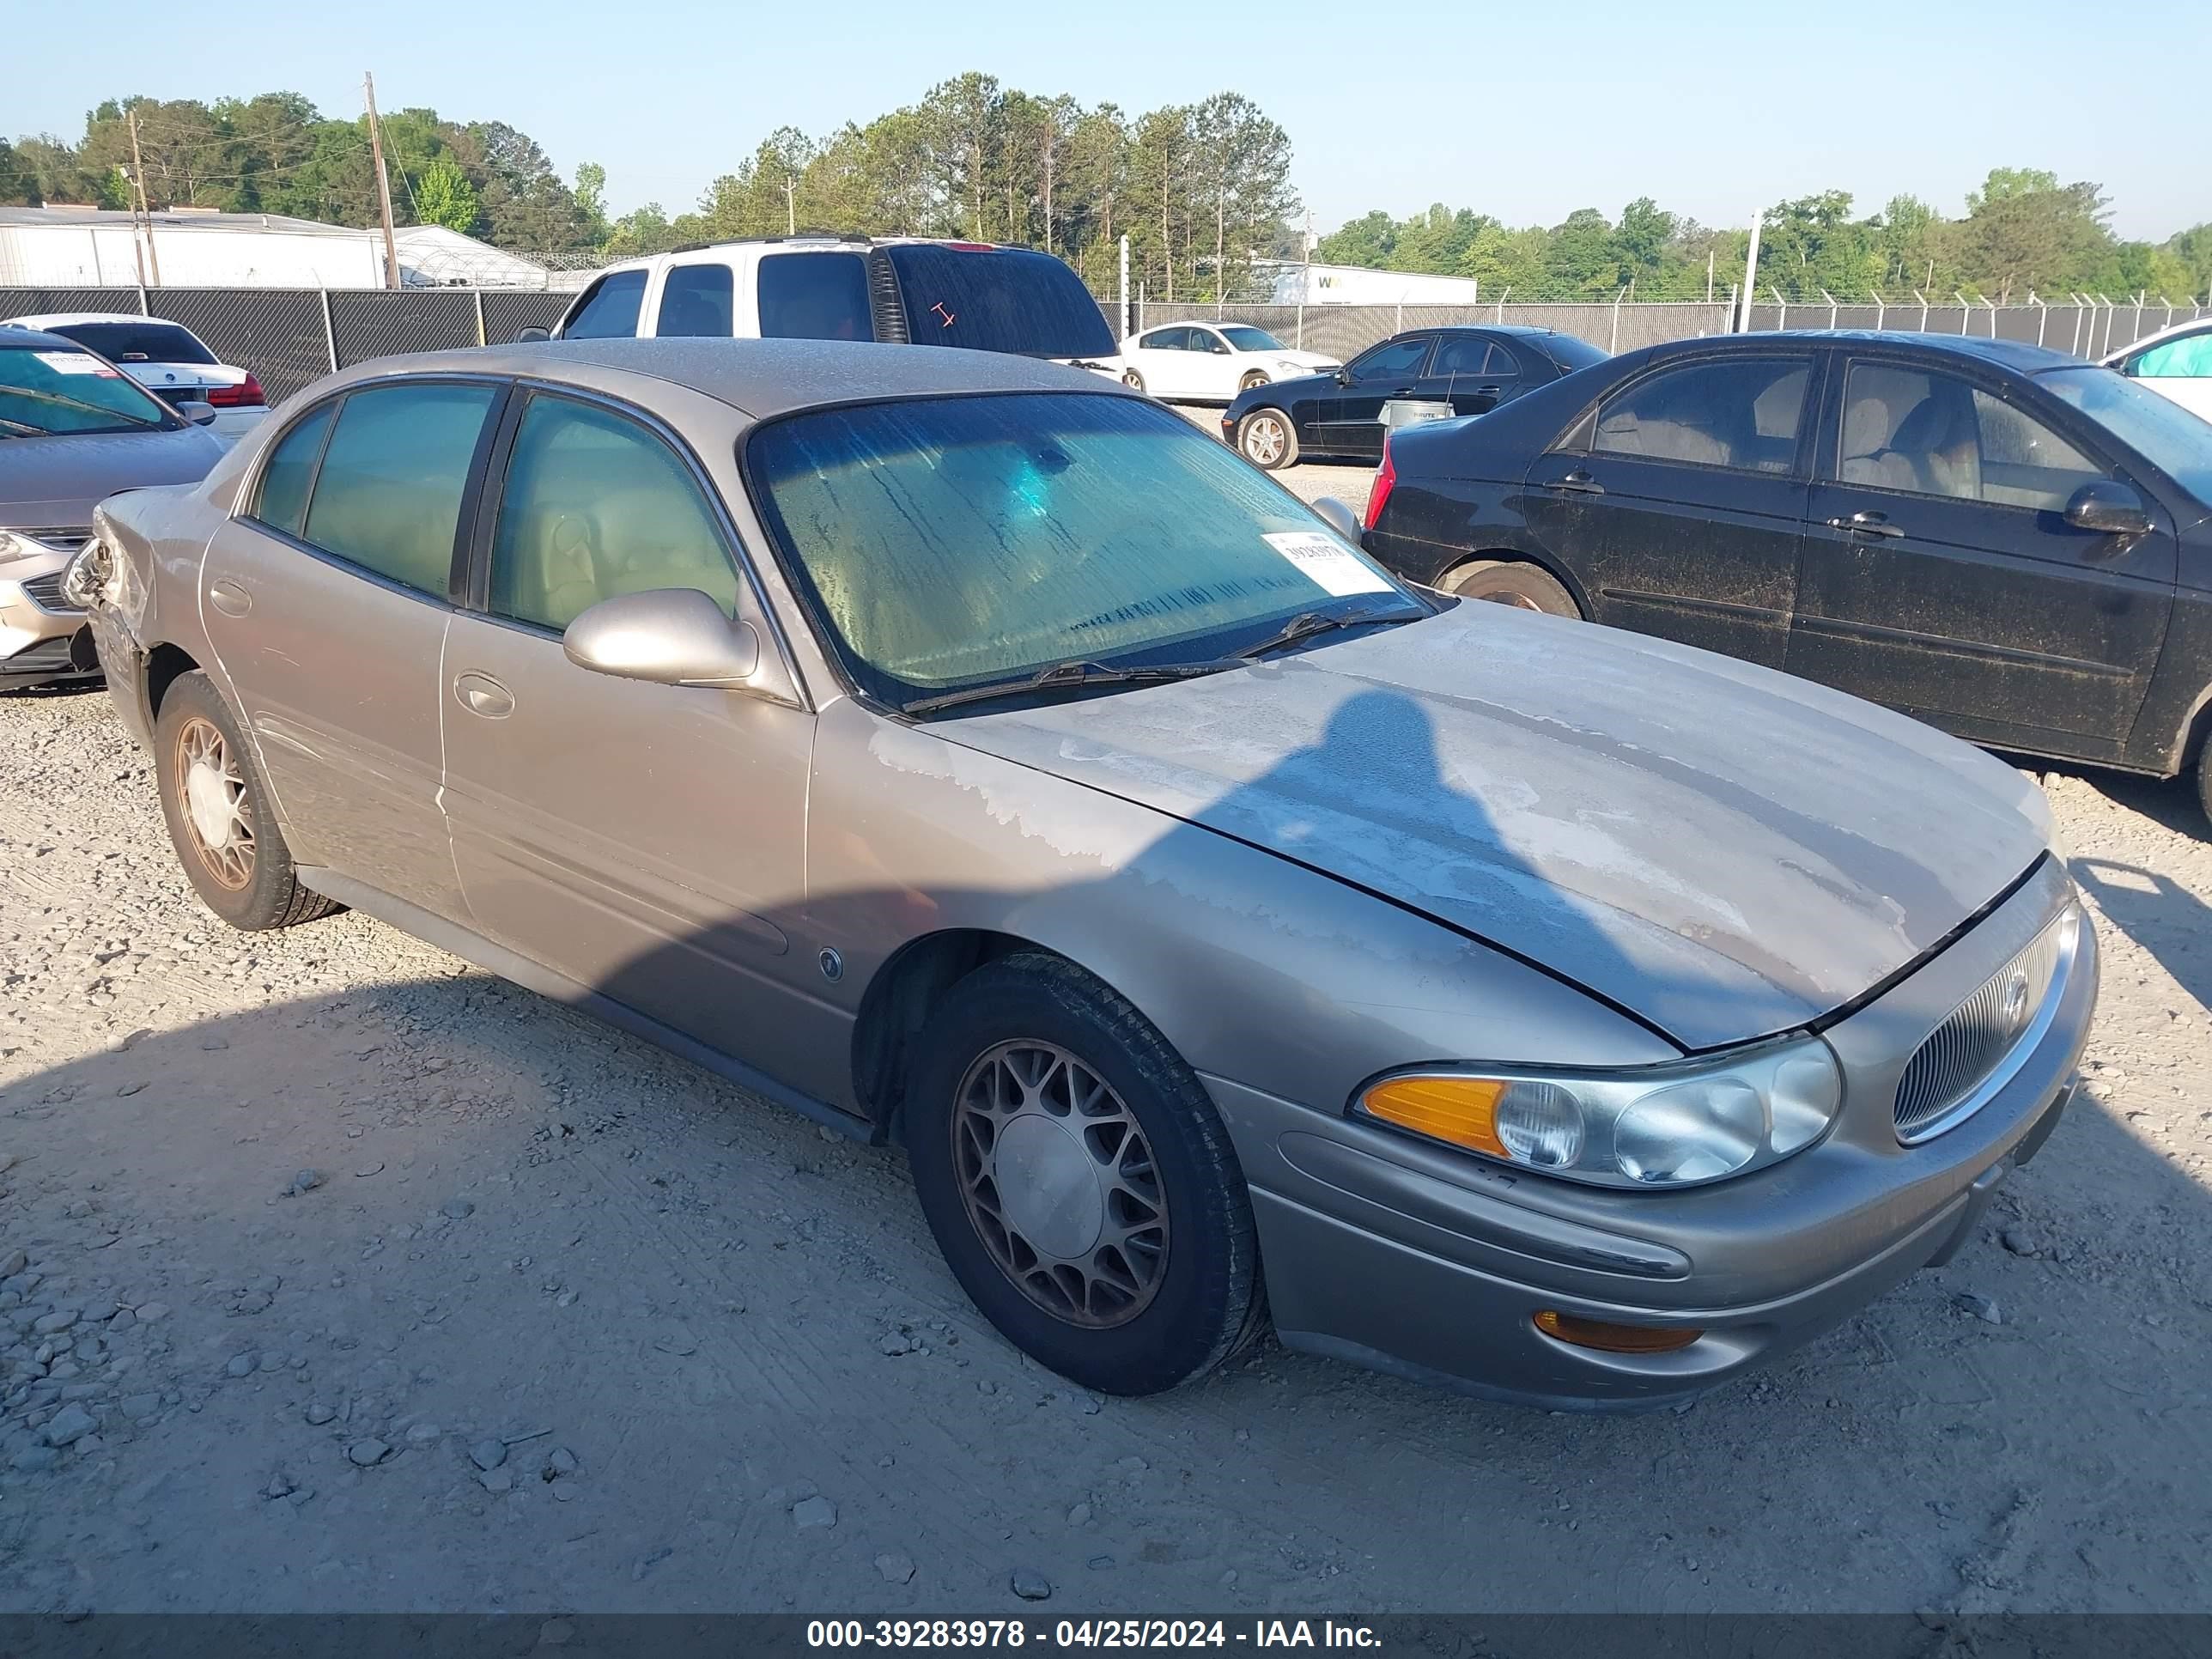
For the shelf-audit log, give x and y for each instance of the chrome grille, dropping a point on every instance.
(1947, 1079)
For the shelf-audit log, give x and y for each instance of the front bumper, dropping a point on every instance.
(1410, 1258)
(41, 638)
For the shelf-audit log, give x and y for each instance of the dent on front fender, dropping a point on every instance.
(1256, 969)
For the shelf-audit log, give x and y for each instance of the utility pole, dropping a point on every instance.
(791, 204)
(1710, 253)
(383, 181)
(138, 177)
(1750, 274)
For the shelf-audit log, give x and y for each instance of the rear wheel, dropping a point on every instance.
(218, 809)
(1079, 1179)
(1511, 581)
(1266, 438)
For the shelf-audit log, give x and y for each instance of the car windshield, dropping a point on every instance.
(137, 343)
(1250, 339)
(2169, 436)
(963, 542)
(46, 389)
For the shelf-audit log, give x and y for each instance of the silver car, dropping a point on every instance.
(968, 753)
(73, 429)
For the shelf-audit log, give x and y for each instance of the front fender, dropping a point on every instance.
(1258, 970)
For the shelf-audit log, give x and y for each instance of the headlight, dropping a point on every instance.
(1660, 1125)
(14, 547)
(85, 580)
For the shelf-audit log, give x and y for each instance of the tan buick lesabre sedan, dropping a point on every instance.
(968, 753)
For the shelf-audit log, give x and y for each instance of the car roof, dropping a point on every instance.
(2027, 358)
(64, 319)
(760, 378)
(799, 241)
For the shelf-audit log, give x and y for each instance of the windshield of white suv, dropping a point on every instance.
(961, 542)
(1246, 338)
(2169, 436)
(51, 389)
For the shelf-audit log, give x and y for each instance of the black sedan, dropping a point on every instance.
(2007, 543)
(1340, 413)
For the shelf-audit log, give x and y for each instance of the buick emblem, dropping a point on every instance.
(2013, 1004)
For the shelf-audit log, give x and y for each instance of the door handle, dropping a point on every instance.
(1580, 481)
(480, 694)
(1866, 524)
(1487, 391)
(229, 596)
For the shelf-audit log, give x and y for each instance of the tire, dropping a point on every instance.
(202, 765)
(1132, 379)
(2204, 777)
(1256, 379)
(1266, 438)
(1514, 582)
(1015, 1050)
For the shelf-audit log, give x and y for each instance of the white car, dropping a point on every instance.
(1211, 363)
(167, 358)
(2175, 362)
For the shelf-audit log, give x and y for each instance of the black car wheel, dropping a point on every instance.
(1511, 581)
(1079, 1179)
(1267, 439)
(1132, 379)
(216, 805)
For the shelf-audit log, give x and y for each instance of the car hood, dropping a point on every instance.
(1724, 851)
(1314, 360)
(57, 480)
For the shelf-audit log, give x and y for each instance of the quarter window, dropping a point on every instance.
(291, 468)
(609, 311)
(388, 495)
(595, 506)
(694, 303)
(1739, 413)
(1932, 434)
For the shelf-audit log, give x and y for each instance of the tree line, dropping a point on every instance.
(1200, 190)
(2023, 233)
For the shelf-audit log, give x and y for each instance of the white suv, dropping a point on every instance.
(901, 289)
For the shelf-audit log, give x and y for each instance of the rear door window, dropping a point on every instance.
(695, 302)
(388, 495)
(1741, 413)
(1476, 357)
(814, 296)
(609, 309)
(996, 299)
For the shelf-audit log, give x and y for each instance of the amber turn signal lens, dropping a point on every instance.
(1462, 1110)
(1612, 1339)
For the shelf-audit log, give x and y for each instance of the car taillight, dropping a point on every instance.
(1385, 479)
(246, 394)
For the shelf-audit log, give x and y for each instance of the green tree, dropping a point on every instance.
(444, 195)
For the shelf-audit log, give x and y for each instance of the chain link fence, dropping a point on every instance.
(290, 338)
(2085, 328)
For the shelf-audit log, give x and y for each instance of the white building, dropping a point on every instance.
(193, 247)
(1296, 284)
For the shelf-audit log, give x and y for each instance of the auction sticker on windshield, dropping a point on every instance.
(1327, 562)
(77, 362)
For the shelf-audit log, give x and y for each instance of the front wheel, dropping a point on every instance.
(1267, 439)
(1079, 1179)
(1132, 379)
(218, 809)
(1511, 581)
(1252, 379)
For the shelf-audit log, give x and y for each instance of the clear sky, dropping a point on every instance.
(1527, 113)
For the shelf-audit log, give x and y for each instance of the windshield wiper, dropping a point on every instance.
(1307, 623)
(1070, 675)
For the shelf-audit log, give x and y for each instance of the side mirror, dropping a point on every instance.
(667, 636)
(197, 413)
(532, 335)
(2108, 508)
(1344, 376)
(1337, 516)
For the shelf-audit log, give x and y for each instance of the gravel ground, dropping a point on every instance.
(335, 1274)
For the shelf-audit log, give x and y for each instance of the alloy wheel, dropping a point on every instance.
(1059, 1183)
(211, 791)
(1263, 439)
